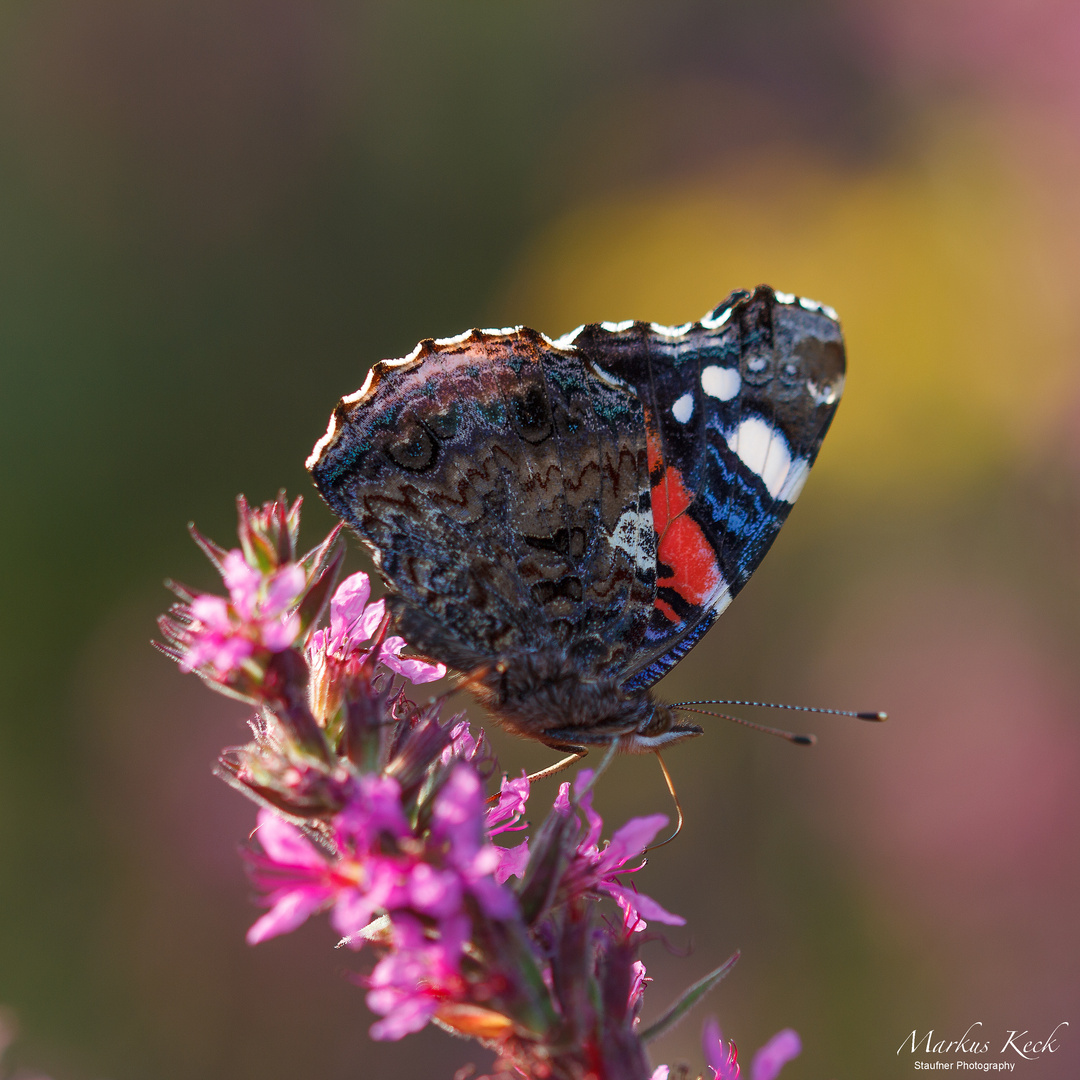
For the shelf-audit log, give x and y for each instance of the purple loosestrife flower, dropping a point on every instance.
(595, 869)
(421, 975)
(373, 810)
(505, 816)
(298, 879)
(222, 634)
(379, 865)
(336, 654)
(723, 1058)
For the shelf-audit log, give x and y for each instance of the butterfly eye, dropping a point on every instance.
(413, 448)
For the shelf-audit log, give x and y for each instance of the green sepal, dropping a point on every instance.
(688, 1000)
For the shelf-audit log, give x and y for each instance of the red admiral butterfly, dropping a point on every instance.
(561, 521)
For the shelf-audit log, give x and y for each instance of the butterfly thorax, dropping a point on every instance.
(544, 695)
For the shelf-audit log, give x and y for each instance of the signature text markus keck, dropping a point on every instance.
(1016, 1046)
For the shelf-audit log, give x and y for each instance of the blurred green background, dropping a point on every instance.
(215, 214)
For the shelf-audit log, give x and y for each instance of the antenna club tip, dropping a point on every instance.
(876, 716)
(804, 740)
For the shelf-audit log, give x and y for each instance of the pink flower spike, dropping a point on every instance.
(775, 1054)
(660, 1073)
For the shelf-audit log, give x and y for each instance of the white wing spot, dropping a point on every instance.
(683, 409)
(629, 530)
(720, 382)
(617, 327)
(718, 321)
(796, 478)
(785, 298)
(764, 451)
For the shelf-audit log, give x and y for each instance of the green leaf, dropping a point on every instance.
(689, 999)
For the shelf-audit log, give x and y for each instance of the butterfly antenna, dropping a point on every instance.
(875, 716)
(674, 798)
(791, 736)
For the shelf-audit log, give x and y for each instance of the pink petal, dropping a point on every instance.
(285, 844)
(416, 671)
(280, 634)
(634, 837)
(596, 824)
(410, 1015)
(352, 912)
(434, 892)
(513, 795)
(496, 901)
(775, 1054)
(638, 904)
(512, 862)
(211, 611)
(660, 1073)
(721, 1058)
(288, 913)
(366, 625)
(283, 589)
(458, 814)
(223, 653)
(242, 581)
(349, 600)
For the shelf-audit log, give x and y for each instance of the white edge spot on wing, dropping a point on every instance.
(567, 340)
(617, 327)
(683, 409)
(815, 305)
(764, 451)
(670, 331)
(715, 324)
(784, 297)
(387, 364)
(457, 339)
(720, 382)
(796, 479)
(503, 331)
(353, 398)
(322, 444)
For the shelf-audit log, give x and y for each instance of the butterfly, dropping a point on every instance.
(560, 521)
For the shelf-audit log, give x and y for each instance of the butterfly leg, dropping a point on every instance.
(574, 753)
